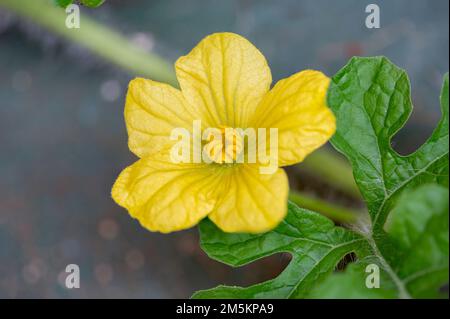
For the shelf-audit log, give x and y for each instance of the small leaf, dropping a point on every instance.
(370, 98)
(419, 225)
(315, 243)
(63, 3)
(92, 3)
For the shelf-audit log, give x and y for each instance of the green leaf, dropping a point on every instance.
(92, 3)
(371, 100)
(87, 3)
(315, 243)
(419, 226)
(351, 284)
(63, 3)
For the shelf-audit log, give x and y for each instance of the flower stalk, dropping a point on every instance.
(335, 212)
(97, 38)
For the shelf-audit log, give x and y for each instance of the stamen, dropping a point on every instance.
(228, 148)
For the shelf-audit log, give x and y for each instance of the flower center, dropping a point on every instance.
(224, 145)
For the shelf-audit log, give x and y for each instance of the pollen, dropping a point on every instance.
(225, 145)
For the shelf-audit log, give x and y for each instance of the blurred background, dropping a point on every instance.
(63, 139)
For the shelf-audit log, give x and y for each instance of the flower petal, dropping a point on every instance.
(152, 110)
(225, 76)
(297, 107)
(251, 202)
(167, 197)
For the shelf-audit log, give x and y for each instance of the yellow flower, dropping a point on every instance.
(225, 82)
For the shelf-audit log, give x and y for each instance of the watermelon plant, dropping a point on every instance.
(404, 238)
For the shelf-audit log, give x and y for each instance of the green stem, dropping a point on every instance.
(402, 291)
(332, 168)
(97, 38)
(333, 211)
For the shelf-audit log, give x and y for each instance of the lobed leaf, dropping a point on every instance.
(370, 98)
(315, 243)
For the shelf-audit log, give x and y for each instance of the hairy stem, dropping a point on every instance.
(402, 291)
(333, 211)
(96, 37)
(332, 168)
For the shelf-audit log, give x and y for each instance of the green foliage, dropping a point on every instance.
(63, 3)
(371, 100)
(418, 227)
(92, 3)
(315, 243)
(406, 234)
(87, 3)
(351, 284)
